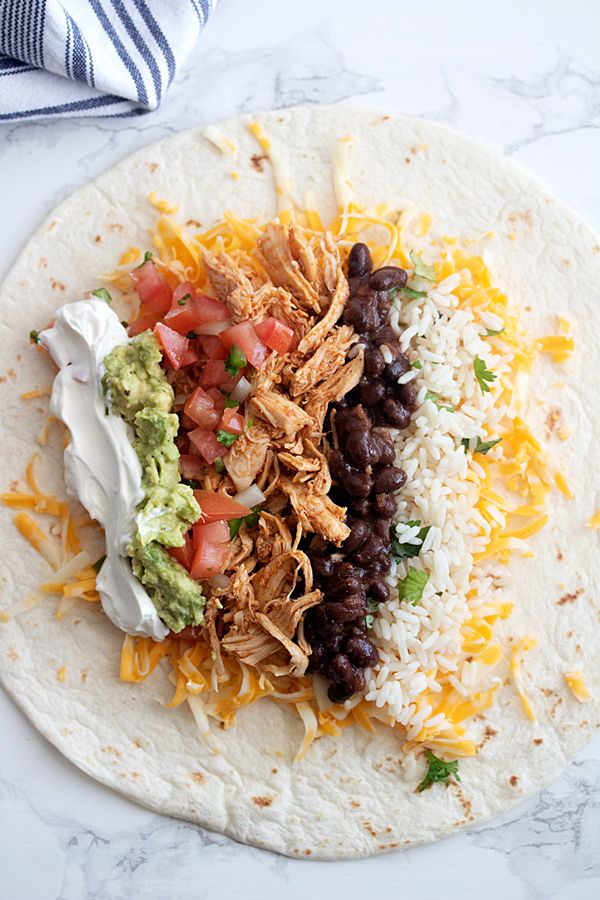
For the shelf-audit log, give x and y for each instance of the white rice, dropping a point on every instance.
(418, 644)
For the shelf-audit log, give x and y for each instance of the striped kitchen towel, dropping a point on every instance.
(92, 57)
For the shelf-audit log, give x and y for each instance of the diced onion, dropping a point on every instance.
(252, 496)
(220, 581)
(212, 327)
(241, 391)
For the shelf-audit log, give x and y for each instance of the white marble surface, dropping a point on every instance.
(524, 77)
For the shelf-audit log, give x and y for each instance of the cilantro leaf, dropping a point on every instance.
(372, 604)
(34, 336)
(483, 375)
(491, 332)
(369, 620)
(102, 294)
(219, 465)
(481, 446)
(251, 520)
(440, 770)
(226, 437)
(235, 361)
(422, 270)
(434, 398)
(183, 300)
(124, 323)
(98, 564)
(417, 364)
(148, 255)
(230, 404)
(411, 588)
(191, 335)
(409, 551)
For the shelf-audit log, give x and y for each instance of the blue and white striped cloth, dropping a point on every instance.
(92, 57)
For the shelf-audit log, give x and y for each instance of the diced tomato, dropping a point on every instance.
(209, 560)
(182, 291)
(215, 532)
(232, 421)
(245, 337)
(152, 289)
(190, 357)
(197, 405)
(188, 423)
(145, 321)
(174, 345)
(206, 444)
(276, 335)
(184, 555)
(213, 346)
(216, 507)
(191, 466)
(217, 398)
(190, 312)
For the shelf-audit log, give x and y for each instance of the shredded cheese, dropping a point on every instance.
(577, 686)
(516, 660)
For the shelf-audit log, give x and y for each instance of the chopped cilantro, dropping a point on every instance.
(230, 404)
(411, 588)
(191, 482)
(480, 446)
(124, 323)
(148, 255)
(219, 465)
(483, 374)
(422, 270)
(440, 770)
(434, 398)
(372, 604)
(183, 300)
(250, 423)
(235, 361)
(191, 335)
(34, 336)
(408, 551)
(251, 520)
(226, 437)
(102, 294)
(98, 564)
(491, 332)
(369, 620)
(417, 364)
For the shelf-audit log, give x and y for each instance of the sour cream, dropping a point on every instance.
(102, 470)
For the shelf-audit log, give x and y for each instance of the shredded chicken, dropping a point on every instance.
(258, 614)
(230, 284)
(283, 270)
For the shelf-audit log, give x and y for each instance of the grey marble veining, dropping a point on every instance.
(524, 77)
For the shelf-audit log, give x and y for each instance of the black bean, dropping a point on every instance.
(381, 527)
(359, 261)
(339, 692)
(361, 651)
(407, 394)
(361, 507)
(338, 466)
(374, 362)
(357, 484)
(388, 277)
(340, 668)
(352, 586)
(389, 479)
(357, 629)
(317, 657)
(373, 550)
(372, 392)
(359, 682)
(398, 366)
(386, 335)
(383, 506)
(385, 448)
(379, 590)
(322, 565)
(395, 414)
(342, 570)
(359, 449)
(362, 314)
(359, 531)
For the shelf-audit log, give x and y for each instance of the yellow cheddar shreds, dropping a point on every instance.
(162, 205)
(561, 483)
(594, 522)
(516, 661)
(62, 674)
(577, 686)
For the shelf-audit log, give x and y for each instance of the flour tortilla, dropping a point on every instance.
(354, 796)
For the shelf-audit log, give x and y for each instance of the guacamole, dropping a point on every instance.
(138, 391)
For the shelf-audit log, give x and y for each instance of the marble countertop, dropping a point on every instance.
(523, 77)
